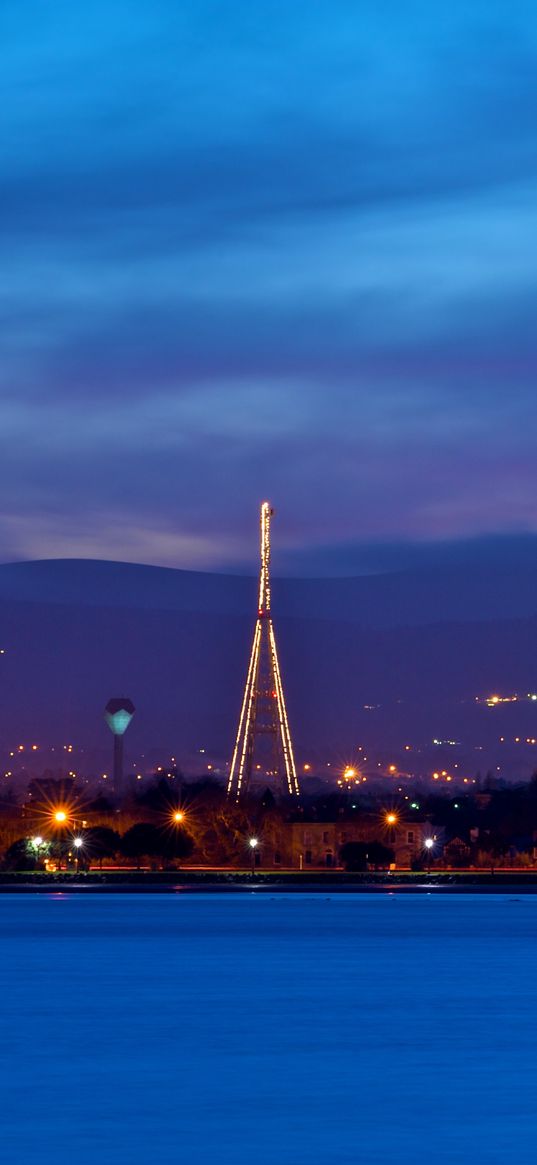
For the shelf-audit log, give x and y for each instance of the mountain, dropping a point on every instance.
(381, 659)
(404, 598)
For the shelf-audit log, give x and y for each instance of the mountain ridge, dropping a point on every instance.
(380, 680)
(402, 598)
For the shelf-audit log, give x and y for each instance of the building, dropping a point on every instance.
(317, 844)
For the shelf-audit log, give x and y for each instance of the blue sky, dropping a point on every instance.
(249, 250)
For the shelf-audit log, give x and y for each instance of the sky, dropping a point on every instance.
(281, 250)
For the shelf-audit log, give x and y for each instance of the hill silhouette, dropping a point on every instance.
(389, 657)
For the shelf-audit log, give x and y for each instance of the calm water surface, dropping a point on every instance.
(293, 1030)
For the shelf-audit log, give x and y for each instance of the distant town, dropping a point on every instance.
(56, 814)
(449, 801)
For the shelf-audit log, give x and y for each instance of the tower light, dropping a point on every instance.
(263, 710)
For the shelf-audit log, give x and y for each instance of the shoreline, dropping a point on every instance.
(335, 882)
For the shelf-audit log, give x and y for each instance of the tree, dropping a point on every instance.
(20, 856)
(354, 855)
(175, 843)
(496, 846)
(268, 801)
(100, 804)
(101, 842)
(141, 840)
(379, 854)
(361, 855)
(160, 796)
(220, 833)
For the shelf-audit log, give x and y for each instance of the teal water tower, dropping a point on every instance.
(118, 714)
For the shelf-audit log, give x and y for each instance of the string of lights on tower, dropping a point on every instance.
(263, 711)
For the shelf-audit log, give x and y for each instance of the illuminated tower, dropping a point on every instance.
(263, 712)
(118, 715)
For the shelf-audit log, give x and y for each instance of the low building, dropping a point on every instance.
(317, 844)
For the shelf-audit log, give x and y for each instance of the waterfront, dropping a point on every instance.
(267, 1028)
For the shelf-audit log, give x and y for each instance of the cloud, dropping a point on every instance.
(291, 256)
(111, 534)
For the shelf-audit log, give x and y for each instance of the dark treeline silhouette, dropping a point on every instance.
(172, 821)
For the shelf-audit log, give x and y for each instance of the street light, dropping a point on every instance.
(429, 843)
(178, 817)
(59, 818)
(78, 843)
(253, 843)
(391, 819)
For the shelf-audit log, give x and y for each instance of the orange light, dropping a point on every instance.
(391, 819)
(60, 816)
(178, 816)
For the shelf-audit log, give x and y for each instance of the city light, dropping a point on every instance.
(60, 816)
(253, 842)
(36, 842)
(178, 816)
(429, 843)
(78, 842)
(391, 819)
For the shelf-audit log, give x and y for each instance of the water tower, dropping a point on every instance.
(118, 714)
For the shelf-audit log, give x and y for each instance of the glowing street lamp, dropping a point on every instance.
(59, 819)
(429, 843)
(178, 817)
(253, 842)
(78, 844)
(391, 819)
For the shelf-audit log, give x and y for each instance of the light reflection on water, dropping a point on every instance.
(294, 1029)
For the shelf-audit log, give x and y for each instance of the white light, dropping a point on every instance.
(78, 842)
(253, 842)
(429, 843)
(37, 841)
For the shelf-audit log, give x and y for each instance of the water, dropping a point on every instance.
(294, 1029)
